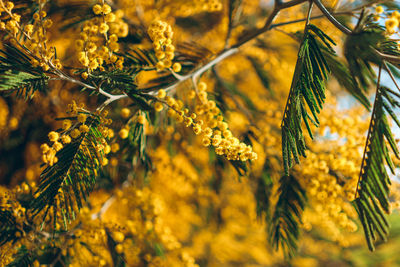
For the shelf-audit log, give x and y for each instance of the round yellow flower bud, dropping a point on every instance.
(118, 237)
(106, 9)
(123, 133)
(75, 133)
(114, 147)
(45, 148)
(119, 248)
(82, 118)
(97, 9)
(158, 106)
(141, 119)
(177, 67)
(53, 136)
(125, 113)
(161, 93)
(379, 9)
(206, 141)
(202, 86)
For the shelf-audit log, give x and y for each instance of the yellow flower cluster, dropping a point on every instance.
(161, 35)
(326, 193)
(235, 236)
(99, 39)
(216, 132)
(12, 24)
(8, 201)
(391, 20)
(36, 35)
(132, 221)
(331, 180)
(72, 131)
(208, 121)
(185, 8)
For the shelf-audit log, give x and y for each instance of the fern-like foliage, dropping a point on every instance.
(117, 258)
(114, 81)
(341, 72)
(284, 228)
(69, 181)
(18, 75)
(306, 93)
(22, 258)
(360, 50)
(8, 226)
(234, 12)
(263, 193)
(136, 60)
(372, 199)
(235, 8)
(137, 139)
(191, 54)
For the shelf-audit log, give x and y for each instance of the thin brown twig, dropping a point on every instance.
(390, 74)
(331, 18)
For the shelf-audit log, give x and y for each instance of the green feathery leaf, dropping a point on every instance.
(22, 258)
(234, 13)
(117, 258)
(69, 181)
(135, 146)
(284, 228)
(191, 54)
(18, 75)
(263, 193)
(342, 74)
(114, 82)
(136, 60)
(8, 226)
(307, 94)
(372, 199)
(360, 50)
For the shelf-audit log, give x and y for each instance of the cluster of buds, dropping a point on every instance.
(216, 131)
(49, 153)
(161, 35)
(207, 121)
(124, 132)
(392, 20)
(12, 24)
(35, 34)
(72, 129)
(99, 39)
(190, 8)
(178, 112)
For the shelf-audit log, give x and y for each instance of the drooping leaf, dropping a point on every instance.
(342, 74)
(114, 82)
(18, 75)
(263, 193)
(137, 59)
(22, 258)
(360, 50)
(307, 94)
(284, 228)
(372, 201)
(8, 226)
(118, 259)
(67, 184)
